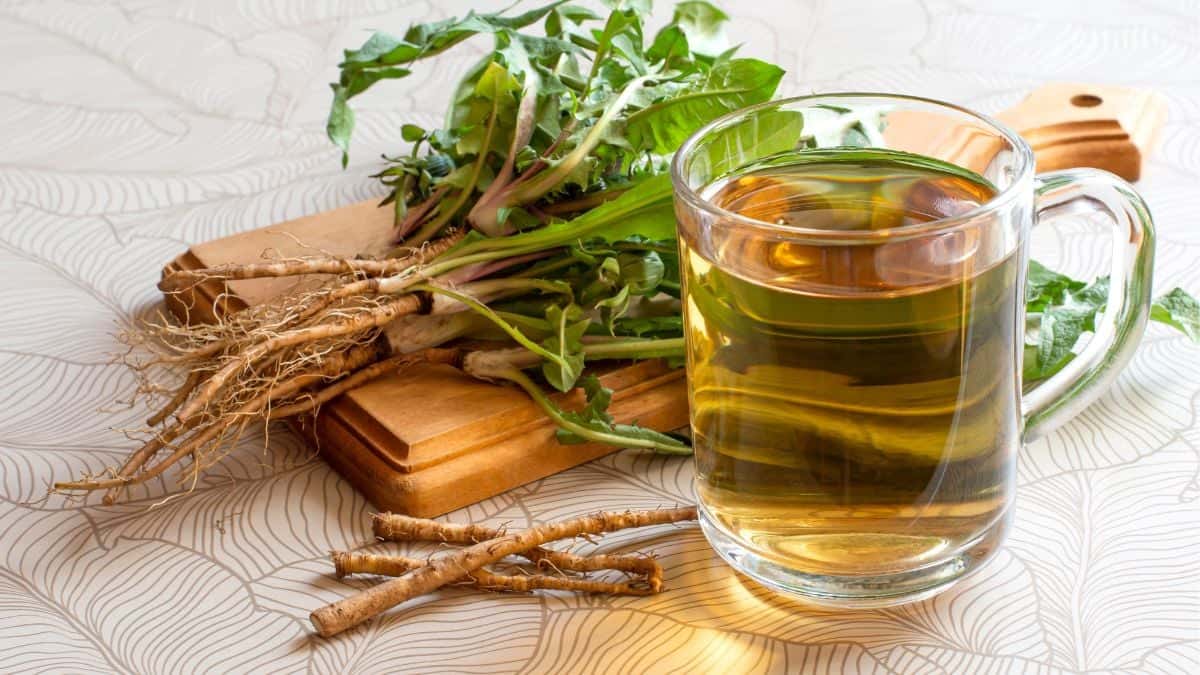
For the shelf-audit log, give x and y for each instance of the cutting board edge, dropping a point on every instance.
(453, 484)
(624, 407)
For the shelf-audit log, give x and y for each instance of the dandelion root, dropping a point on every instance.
(177, 399)
(361, 377)
(213, 427)
(179, 280)
(348, 612)
(349, 562)
(397, 527)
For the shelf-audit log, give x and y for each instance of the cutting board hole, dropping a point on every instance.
(1086, 100)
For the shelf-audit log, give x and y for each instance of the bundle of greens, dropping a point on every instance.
(540, 216)
(548, 126)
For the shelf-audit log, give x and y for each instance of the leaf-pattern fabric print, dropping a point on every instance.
(1119, 582)
(138, 606)
(625, 641)
(238, 523)
(134, 128)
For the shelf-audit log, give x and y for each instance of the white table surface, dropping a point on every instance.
(131, 129)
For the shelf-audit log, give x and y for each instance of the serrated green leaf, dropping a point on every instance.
(599, 398)
(1059, 332)
(565, 19)
(571, 325)
(428, 39)
(664, 443)
(1180, 310)
(1088, 301)
(359, 81)
(622, 35)
(460, 110)
(646, 209)
(767, 133)
(594, 417)
(544, 51)
(670, 44)
(704, 25)
(1072, 313)
(532, 60)
(492, 102)
(1062, 309)
(381, 56)
(1044, 287)
(662, 127)
(629, 46)
(379, 44)
(641, 271)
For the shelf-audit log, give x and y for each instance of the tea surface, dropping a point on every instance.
(854, 408)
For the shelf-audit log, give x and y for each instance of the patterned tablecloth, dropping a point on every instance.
(131, 128)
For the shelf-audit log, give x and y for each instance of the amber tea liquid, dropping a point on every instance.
(853, 407)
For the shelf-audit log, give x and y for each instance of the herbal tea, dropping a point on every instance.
(853, 407)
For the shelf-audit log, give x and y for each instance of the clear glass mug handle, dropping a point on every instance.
(1063, 395)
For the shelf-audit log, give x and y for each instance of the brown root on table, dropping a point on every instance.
(353, 562)
(464, 563)
(398, 527)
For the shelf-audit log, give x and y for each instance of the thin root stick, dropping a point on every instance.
(265, 355)
(195, 442)
(312, 303)
(345, 562)
(360, 377)
(376, 317)
(205, 435)
(397, 527)
(181, 395)
(183, 279)
(337, 617)
(143, 455)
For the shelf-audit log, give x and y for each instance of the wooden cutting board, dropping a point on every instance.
(429, 439)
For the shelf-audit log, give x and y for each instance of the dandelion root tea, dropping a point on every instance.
(853, 406)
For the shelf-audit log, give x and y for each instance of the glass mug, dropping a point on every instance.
(853, 294)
